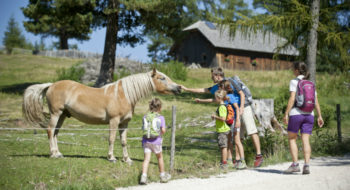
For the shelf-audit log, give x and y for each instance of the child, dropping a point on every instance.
(221, 127)
(153, 128)
(239, 163)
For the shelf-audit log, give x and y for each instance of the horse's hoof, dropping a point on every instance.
(57, 156)
(129, 161)
(113, 161)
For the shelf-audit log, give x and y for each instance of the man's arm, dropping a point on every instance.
(195, 90)
(204, 100)
(241, 109)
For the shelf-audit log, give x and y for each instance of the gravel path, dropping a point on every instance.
(326, 173)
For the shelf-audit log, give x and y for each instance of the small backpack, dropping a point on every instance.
(230, 116)
(305, 95)
(151, 126)
(248, 95)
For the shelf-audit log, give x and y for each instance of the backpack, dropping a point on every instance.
(305, 95)
(248, 95)
(230, 116)
(151, 126)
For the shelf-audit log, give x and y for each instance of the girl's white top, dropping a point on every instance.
(293, 88)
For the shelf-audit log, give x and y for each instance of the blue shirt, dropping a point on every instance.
(234, 98)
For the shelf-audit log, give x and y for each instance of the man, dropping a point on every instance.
(246, 112)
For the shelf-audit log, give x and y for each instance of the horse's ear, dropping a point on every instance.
(154, 72)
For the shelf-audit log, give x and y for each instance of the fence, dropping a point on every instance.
(71, 53)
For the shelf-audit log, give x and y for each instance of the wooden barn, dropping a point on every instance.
(206, 45)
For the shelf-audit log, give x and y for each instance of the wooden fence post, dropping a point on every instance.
(339, 123)
(172, 149)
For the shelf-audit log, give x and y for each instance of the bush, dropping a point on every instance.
(73, 73)
(173, 69)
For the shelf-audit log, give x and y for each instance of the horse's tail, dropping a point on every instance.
(33, 101)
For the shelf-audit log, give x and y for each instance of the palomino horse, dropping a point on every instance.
(112, 104)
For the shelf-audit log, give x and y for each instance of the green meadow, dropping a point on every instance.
(25, 161)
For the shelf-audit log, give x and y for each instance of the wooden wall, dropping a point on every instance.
(237, 62)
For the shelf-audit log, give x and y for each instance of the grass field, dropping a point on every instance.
(24, 154)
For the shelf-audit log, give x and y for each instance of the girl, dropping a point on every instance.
(233, 99)
(153, 129)
(298, 120)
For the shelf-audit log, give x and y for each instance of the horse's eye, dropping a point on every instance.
(162, 78)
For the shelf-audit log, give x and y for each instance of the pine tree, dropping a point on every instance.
(64, 19)
(13, 36)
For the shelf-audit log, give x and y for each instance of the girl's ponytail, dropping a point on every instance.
(302, 68)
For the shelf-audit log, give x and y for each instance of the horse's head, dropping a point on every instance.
(163, 84)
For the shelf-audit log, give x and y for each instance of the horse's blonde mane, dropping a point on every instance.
(135, 87)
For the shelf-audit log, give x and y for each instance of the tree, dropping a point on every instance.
(64, 19)
(13, 36)
(122, 27)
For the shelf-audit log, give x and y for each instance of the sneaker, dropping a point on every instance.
(306, 169)
(143, 180)
(235, 163)
(223, 166)
(165, 178)
(241, 165)
(292, 168)
(258, 160)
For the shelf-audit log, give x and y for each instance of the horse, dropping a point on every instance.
(111, 104)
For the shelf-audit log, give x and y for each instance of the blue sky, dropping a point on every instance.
(95, 44)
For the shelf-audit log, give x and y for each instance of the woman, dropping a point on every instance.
(299, 120)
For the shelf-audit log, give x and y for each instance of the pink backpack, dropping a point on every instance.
(305, 95)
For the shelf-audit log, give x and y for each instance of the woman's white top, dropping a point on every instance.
(293, 88)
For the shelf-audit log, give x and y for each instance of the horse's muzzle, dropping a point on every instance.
(177, 90)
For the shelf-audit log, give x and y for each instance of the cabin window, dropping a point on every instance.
(204, 57)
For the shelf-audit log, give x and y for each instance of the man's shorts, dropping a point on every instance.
(304, 123)
(223, 139)
(248, 121)
(149, 147)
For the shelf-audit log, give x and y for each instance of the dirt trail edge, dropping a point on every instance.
(326, 173)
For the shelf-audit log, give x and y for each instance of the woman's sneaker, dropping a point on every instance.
(306, 169)
(292, 169)
(165, 178)
(241, 165)
(143, 180)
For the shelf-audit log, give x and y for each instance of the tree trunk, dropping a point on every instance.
(63, 42)
(108, 58)
(312, 40)
(264, 112)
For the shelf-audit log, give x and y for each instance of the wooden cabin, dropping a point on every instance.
(205, 44)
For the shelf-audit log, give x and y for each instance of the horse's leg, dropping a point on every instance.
(113, 127)
(122, 132)
(58, 126)
(50, 133)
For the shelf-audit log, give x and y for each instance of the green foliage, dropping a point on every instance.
(13, 37)
(72, 73)
(173, 69)
(60, 18)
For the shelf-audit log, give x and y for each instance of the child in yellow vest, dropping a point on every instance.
(222, 128)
